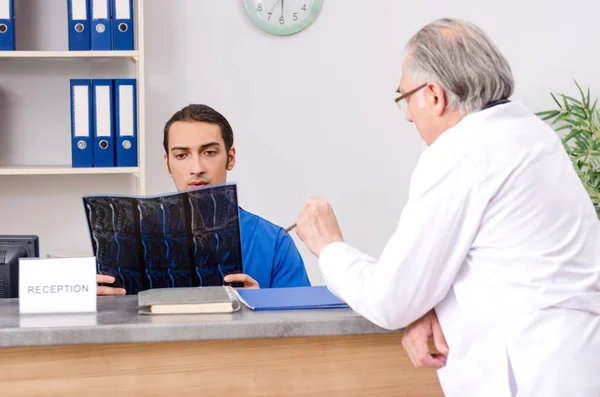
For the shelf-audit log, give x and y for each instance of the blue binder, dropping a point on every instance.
(122, 25)
(126, 122)
(79, 25)
(81, 123)
(7, 25)
(294, 298)
(103, 123)
(101, 31)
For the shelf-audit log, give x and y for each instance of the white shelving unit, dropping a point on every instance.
(134, 55)
(137, 57)
(66, 170)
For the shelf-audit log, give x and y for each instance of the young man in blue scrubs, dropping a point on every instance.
(199, 151)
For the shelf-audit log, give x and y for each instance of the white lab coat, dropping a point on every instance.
(501, 238)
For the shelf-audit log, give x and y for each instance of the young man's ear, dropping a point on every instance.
(231, 159)
(167, 166)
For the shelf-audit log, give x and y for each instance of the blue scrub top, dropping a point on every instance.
(269, 254)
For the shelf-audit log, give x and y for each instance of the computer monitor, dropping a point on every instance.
(11, 249)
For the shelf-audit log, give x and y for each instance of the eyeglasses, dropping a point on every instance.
(405, 96)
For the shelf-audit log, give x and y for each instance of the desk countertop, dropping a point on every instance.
(117, 321)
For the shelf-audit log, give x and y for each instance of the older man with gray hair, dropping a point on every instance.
(497, 251)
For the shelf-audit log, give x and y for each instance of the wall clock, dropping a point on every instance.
(282, 17)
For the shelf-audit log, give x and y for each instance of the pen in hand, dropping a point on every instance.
(289, 228)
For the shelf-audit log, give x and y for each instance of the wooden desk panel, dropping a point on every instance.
(366, 365)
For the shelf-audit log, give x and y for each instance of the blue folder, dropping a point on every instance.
(101, 25)
(82, 147)
(79, 25)
(7, 25)
(122, 25)
(295, 298)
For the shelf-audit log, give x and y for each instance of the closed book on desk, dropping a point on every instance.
(295, 298)
(188, 300)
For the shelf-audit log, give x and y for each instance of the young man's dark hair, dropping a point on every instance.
(200, 113)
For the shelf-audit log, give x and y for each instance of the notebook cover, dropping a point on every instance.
(186, 295)
(296, 298)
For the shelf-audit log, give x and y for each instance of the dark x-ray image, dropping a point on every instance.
(185, 239)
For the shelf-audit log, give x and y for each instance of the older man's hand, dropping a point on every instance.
(317, 225)
(416, 342)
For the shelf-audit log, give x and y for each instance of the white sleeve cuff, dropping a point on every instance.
(332, 253)
(335, 261)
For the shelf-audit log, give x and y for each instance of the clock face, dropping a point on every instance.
(282, 17)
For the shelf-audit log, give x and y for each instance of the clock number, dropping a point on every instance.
(272, 16)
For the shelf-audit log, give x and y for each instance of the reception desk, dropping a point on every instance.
(285, 353)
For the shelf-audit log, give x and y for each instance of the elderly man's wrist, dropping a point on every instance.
(329, 245)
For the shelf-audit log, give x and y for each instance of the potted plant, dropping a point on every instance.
(577, 120)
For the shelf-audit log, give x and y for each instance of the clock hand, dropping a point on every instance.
(275, 5)
(282, 7)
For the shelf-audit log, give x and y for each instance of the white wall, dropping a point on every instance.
(313, 113)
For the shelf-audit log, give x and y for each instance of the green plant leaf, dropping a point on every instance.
(545, 112)
(584, 99)
(580, 118)
(565, 102)
(572, 122)
(549, 115)
(564, 127)
(575, 101)
(556, 100)
(580, 112)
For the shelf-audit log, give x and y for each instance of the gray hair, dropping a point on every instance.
(462, 59)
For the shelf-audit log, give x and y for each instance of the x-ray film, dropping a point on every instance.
(183, 239)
